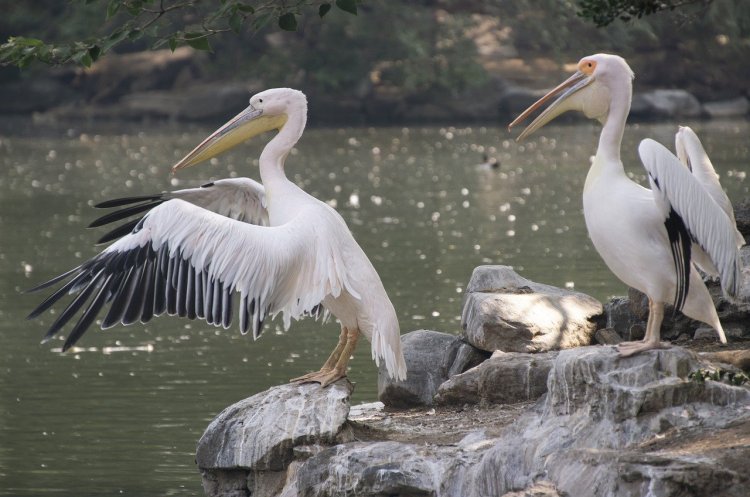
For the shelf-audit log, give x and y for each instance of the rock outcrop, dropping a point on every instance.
(504, 311)
(581, 421)
(606, 426)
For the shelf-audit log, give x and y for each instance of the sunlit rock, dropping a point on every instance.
(504, 311)
(431, 358)
(627, 427)
(259, 434)
(504, 378)
(737, 358)
(539, 489)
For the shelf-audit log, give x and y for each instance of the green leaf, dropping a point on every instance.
(324, 9)
(198, 41)
(26, 42)
(347, 6)
(114, 39)
(134, 9)
(112, 8)
(82, 57)
(288, 22)
(247, 9)
(235, 22)
(173, 43)
(261, 20)
(95, 52)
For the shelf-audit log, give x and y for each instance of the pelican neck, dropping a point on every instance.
(607, 162)
(610, 139)
(274, 154)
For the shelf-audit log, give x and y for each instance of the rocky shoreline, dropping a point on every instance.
(161, 85)
(523, 403)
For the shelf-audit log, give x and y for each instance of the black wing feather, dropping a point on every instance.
(119, 202)
(680, 243)
(131, 284)
(124, 213)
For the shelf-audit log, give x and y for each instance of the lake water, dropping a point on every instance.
(122, 414)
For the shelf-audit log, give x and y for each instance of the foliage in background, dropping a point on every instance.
(420, 52)
(605, 12)
(98, 26)
(160, 23)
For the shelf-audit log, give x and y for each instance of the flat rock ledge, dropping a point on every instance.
(605, 426)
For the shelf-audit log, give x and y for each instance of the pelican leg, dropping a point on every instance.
(653, 327)
(330, 363)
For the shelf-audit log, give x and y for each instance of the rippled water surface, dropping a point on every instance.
(121, 415)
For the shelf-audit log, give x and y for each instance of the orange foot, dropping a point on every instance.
(325, 377)
(627, 349)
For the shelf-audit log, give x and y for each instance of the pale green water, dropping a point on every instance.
(126, 423)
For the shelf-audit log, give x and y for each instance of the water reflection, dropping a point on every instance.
(122, 414)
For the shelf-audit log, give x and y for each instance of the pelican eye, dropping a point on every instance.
(587, 66)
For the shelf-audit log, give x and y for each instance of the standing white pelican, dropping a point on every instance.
(649, 238)
(280, 249)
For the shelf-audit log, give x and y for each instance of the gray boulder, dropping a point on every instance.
(736, 107)
(504, 311)
(516, 99)
(259, 434)
(504, 378)
(382, 469)
(666, 103)
(431, 358)
(195, 103)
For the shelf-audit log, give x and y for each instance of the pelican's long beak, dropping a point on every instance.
(248, 123)
(565, 102)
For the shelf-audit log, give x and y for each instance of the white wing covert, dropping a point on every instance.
(242, 199)
(185, 260)
(684, 201)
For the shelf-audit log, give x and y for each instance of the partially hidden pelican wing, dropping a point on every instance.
(684, 202)
(690, 151)
(242, 199)
(185, 260)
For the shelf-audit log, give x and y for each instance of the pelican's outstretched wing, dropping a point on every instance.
(242, 199)
(690, 151)
(691, 215)
(185, 260)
